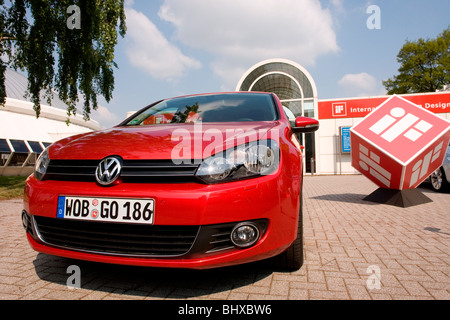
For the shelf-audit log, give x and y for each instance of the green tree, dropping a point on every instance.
(64, 46)
(424, 66)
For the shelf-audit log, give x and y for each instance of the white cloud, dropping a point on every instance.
(104, 117)
(242, 33)
(149, 50)
(338, 4)
(359, 85)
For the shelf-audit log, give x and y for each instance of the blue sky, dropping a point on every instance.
(176, 47)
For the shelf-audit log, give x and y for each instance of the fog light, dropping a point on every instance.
(245, 234)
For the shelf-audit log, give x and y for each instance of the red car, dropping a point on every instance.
(198, 181)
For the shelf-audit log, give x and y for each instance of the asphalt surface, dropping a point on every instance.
(354, 250)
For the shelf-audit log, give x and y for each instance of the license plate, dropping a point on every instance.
(106, 209)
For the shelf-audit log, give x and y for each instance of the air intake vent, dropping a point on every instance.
(115, 238)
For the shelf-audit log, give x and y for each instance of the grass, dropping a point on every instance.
(11, 187)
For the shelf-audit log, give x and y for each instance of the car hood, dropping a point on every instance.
(172, 141)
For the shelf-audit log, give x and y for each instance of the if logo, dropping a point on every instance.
(339, 109)
(399, 123)
(369, 161)
(420, 168)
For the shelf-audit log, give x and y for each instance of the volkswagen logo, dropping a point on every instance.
(108, 170)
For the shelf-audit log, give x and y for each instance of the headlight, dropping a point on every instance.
(254, 159)
(41, 165)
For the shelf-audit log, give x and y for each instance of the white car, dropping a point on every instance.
(440, 179)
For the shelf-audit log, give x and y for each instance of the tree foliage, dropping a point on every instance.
(36, 37)
(424, 66)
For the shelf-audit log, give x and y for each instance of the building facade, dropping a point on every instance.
(297, 91)
(337, 116)
(23, 136)
(327, 151)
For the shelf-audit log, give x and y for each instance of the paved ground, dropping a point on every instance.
(353, 250)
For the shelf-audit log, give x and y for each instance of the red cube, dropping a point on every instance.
(399, 144)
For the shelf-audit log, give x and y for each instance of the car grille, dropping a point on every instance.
(148, 171)
(115, 238)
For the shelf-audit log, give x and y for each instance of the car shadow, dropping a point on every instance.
(427, 188)
(158, 283)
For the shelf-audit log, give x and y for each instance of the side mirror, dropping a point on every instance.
(304, 124)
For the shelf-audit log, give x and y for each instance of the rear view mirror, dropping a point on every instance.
(305, 124)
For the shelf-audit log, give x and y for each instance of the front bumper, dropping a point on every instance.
(272, 202)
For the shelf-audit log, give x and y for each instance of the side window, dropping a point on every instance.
(290, 116)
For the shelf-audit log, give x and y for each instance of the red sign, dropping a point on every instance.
(399, 144)
(438, 102)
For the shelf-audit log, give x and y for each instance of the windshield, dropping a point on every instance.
(209, 108)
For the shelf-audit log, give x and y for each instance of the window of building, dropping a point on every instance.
(19, 146)
(35, 147)
(296, 90)
(5, 152)
(20, 154)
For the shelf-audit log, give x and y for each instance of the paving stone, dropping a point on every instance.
(344, 236)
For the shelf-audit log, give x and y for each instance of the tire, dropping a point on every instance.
(292, 258)
(438, 180)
